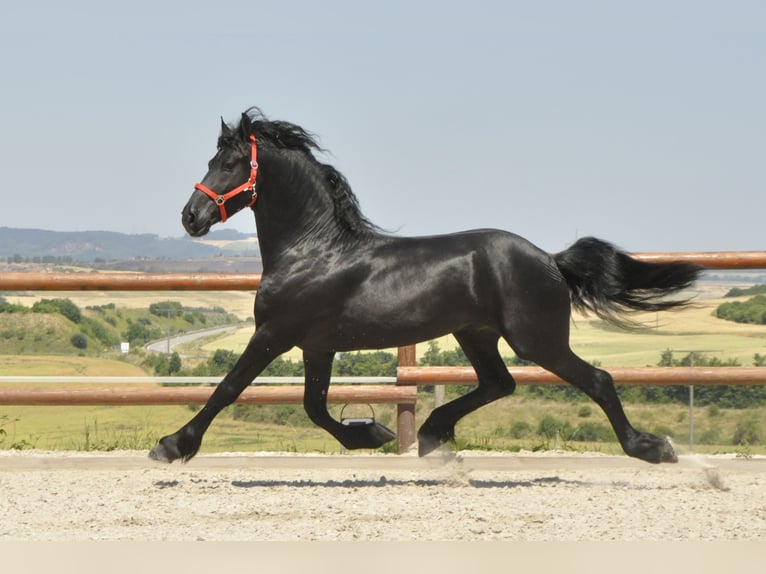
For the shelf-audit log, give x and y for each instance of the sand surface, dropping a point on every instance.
(470, 496)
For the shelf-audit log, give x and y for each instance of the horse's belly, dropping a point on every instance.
(382, 327)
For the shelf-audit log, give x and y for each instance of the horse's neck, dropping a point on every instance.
(293, 215)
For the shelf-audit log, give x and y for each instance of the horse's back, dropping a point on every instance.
(480, 270)
(509, 257)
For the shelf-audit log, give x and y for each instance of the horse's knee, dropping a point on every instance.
(602, 386)
(498, 386)
(507, 385)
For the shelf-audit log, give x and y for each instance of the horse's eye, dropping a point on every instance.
(228, 163)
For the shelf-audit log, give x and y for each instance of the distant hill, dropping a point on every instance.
(93, 246)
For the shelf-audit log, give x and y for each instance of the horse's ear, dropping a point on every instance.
(245, 126)
(225, 130)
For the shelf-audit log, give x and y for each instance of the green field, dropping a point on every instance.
(512, 423)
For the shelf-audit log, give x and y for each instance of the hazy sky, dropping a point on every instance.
(643, 123)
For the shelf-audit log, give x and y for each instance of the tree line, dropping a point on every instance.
(752, 310)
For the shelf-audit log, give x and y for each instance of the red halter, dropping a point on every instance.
(249, 185)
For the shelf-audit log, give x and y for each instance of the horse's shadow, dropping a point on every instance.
(383, 482)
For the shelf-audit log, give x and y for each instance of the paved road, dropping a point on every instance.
(167, 345)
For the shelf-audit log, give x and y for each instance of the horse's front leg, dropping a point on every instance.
(318, 367)
(184, 444)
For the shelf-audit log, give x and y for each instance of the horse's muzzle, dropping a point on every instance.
(196, 224)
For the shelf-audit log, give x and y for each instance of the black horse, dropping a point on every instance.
(332, 281)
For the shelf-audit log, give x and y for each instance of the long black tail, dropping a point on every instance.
(611, 284)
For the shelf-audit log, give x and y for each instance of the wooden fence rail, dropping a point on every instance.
(108, 281)
(262, 395)
(654, 376)
(112, 281)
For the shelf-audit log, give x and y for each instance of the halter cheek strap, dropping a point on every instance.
(249, 185)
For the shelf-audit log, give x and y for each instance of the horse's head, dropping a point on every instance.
(229, 185)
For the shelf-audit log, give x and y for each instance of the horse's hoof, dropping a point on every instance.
(172, 448)
(427, 445)
(431, 437)
(366, 435)
(161, 454)
(381, 434)
(667, 452)
(653, 449)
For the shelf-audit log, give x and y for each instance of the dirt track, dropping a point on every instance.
(476, 496)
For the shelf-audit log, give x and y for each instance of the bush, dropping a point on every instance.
(79, 341)
(6, 307)
(372, 364)
(167, 309)
(285, 415)
(97, 330)
(521, 429)
(281, 367)
(139, 333)
(64, 307)
(551, 427)
(751, 311)
(164, 365)
(739, 292)
(747, 432)
(711, 436)
(594, 432)
(435, 357)
(221, 362)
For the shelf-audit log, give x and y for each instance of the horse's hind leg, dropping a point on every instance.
(599, 386)
(542, 336)
(318, 367)
(480, 346)
(537, 326)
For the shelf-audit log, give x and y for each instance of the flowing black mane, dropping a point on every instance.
(288, 136)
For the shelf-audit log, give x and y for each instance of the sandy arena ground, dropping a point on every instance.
(469, 497)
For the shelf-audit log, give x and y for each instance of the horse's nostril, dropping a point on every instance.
(187, 215)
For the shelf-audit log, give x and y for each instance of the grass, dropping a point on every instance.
(493, 426)
(66, 366)
(28, 333)
(512, 424)
(139, 428)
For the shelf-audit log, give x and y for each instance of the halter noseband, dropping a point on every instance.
(249, 185)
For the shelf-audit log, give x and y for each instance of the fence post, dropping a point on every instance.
(405, 413)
